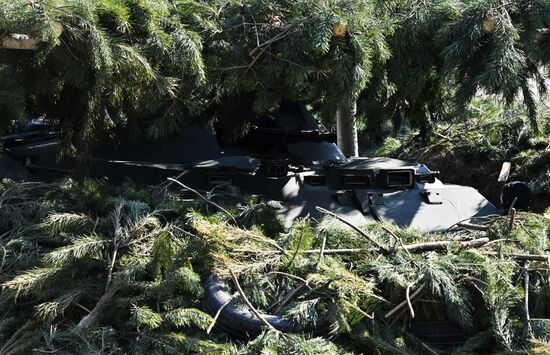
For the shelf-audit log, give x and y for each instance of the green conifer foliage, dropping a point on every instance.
(118, 60)
(446, 52)
(95, 267)
(114, 60)
(315, 51)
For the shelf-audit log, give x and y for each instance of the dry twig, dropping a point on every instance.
(250, 306)
(218, 315)
(205, 199)
(354, 227)
(404, 303)
(407, 296)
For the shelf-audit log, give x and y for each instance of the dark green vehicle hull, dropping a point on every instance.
(290, 159)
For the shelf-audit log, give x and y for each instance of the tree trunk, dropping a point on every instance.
(346, 130)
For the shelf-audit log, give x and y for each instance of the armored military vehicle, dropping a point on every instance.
(287, 157)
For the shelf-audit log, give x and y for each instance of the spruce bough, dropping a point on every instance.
(142, 254)
(120, 62)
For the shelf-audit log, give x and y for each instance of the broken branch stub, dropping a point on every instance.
(18, 41)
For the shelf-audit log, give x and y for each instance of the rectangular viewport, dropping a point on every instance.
(220, 179)
(356, 181)
(315, 180)
(427, 178)
(399, 178)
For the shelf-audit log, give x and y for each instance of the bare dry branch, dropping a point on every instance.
(204, 199)
(250, 306)
(404, 303)
(354, 227)
(218, 315)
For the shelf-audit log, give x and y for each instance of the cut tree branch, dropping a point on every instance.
(531, 257)
(476, 227)
(429, 246)
(414, 248)
(218, 314)
(90, 319)
(276, 38)
(526, 299)
(205, 199)
(354, 227)
(439, 245)
(18, 41)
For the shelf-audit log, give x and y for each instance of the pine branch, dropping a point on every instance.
(79, 248)
(183, 317)
(304, 284)
(205, 199)
(31, 281)
(355, 228)
(91, 319)
(147, 317)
